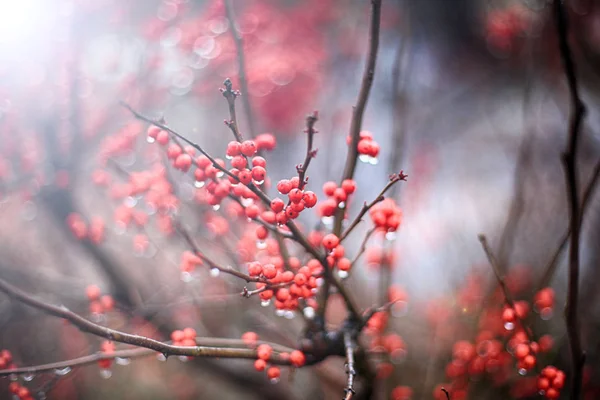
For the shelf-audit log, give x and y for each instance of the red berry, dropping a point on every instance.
(269, 271)
(273, 373)
(93, 292)
(259, 174)
(248, 148)
(260, 365)
(329, 188)
(264, 351)
(233, 149)
(239, 162)
(295, 195)
(330, 241)
(310, 199)
(245, 176)
(297, 358)
(183, 162)
(284, 186)
(258, 161)
(349, 186)
(277, 205)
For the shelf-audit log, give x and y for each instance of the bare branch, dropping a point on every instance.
(570, 168)
(239, 47)
(111, 334)
(361, 103)
(380, 197)
(350, 370)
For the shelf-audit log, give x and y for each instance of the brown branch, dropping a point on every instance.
(231, 95)
(310, 153)
(239, 47)
(78, 362)
(350, 370)
(111, 334)
(553, 263)
(361, 103)
(509, 299)
(363, 246)
(570, 168)
(380, 197)
(227, 270)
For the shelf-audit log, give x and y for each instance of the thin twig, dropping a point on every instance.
(361, 104)
(363, 246)
(227, 270)
(310, 153)
(553, 263)
(509, 299)
(570, 168)
(239, 47)
(114, 335)
(350, 370)
(231, 95)
(447, 393)
(380, 197)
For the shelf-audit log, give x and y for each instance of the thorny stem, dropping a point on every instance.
(350, 370)
(114, 335)
(361, 104)
(570, 168)
(380, 197)
(239, 47)
(509, 299)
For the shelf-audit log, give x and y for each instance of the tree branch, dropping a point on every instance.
(361, 104)
(111, 334)
(570, 168)
(239, 47)
(350, 370)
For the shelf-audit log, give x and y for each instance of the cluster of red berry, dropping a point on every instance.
(386, 215)
(265, 351)
(107, 348)
(336, 196)
(99, 304)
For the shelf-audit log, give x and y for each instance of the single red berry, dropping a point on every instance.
(297, 358)
(233, 149)
(259, 161)
(259, 174)
(262, 232)
(273, 373)
(349, 186)
(329, 187)
(295, 195)
(310, 199)
(260, 365)
(93, 292)
(248, 148)
(284, 186)
(239, 162)
(183, 162)
(330, 241)
(245, 176)
(264, 351)
(162, 138)
(269, 271)
(277, 205)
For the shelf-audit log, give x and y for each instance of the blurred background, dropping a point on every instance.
(469, 99)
